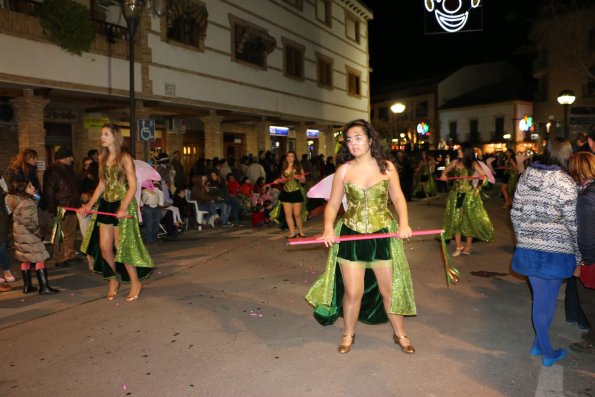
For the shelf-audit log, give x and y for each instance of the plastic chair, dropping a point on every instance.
(200, 215)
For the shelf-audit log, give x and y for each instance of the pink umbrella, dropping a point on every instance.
(323, 190)
(144, 172)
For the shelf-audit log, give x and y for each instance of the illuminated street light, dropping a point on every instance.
(565, 98)
(398, 107)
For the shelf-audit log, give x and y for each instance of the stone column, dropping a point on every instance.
(213, 136)
(263, 137)
(29, 115)
(328, 141)
(251, 142)
(301, 141)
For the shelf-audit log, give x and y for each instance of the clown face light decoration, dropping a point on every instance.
(453, 15)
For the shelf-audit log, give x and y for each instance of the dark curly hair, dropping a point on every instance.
(468, 156)
(19, 187)
(376, 148)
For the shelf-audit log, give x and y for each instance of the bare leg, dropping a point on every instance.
(458, 243)
(353, 279)
(467, 249)
(288, 209)
(297, 209)
(504, 191)
(106, 244)
(397, 321)
(135, 284)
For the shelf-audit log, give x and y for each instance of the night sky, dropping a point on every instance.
(400, 51)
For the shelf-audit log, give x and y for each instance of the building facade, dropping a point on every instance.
(565, 60)
(215, 75)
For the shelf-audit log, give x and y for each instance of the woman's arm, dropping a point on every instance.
(85, 208)
(448, 168)
(399, 201)
(332, 207)
(131, 178)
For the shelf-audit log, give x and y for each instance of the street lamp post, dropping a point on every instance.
(565, 98)
(397, 108)
(132, 10)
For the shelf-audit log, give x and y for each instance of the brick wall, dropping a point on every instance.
(9, 148)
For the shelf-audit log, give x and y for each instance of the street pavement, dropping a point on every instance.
(224, 315)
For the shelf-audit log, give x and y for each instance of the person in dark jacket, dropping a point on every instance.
(28, 247)
(582, 169)
(61, 189)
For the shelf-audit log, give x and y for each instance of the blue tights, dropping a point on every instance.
(545, 296)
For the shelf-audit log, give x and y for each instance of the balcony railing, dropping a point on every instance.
(111, 32)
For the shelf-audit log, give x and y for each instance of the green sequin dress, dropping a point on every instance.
(512, 177)
(131, 249)
(367, 212)
(295, 191)
(425, 184)
(465, 213)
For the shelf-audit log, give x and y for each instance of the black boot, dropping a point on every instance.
(44, 285)
(27, 285)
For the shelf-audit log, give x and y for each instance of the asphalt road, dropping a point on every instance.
(224, 315)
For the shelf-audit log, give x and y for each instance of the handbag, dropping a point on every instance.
(587, 276)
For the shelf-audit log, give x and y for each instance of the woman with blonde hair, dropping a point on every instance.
(115, 194)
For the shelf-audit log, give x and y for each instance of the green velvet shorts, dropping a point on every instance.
(364, 253)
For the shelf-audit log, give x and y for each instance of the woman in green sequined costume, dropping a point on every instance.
(465, 214)
(509, 179)
(367, 280)
(425, 186)
(106, 234)
(292, 197)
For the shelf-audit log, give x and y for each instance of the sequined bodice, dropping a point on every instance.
(115, 189)
(292, 184)
(367, 209)
(462, 185)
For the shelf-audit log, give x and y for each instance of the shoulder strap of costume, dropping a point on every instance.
(344, 171)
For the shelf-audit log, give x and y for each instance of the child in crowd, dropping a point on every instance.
(261, 215)
(152, 200)
(181, 204)
(29, 247)
(233, 186)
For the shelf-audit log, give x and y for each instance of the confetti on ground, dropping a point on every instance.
(124, 387)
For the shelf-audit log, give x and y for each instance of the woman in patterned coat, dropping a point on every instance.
(544, 220)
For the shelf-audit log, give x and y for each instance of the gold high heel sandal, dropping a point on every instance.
(112, 295)
(131, 298)
(343, 348)
(405, 349)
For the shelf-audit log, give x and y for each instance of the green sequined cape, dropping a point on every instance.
(131, 249)
(367, 212)
(429, 186)
(465, 213)
(513, 178)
